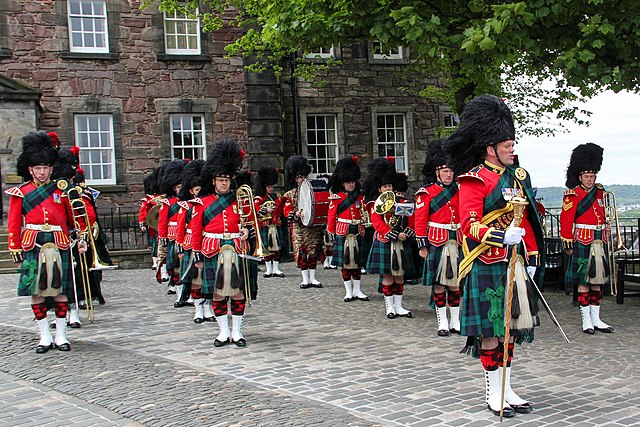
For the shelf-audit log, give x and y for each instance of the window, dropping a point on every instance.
(392, 138)
(94, 136)
(181, 34)
(188, 140)
(321, 53)
(88, 26)
(322, 142)
(451, 120)
(379, 52)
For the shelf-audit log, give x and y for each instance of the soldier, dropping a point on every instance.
(344, 225)
(582, 225)
(151, 193)
(266, 201)
(387, 257)
(39, 220)
(307, 240)
(219, 239)
(437, 225)
(170, 185)
(481, 153)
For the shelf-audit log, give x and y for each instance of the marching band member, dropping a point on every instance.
(170, 185)
(218, 240)
(151, 193)
(266, 201)
(189, 280)
(306, 240)
(481, 153)
(437, 225)
(413, 271)
(250, 263)
(387, 257)
(582, 225)
(345, 225)
(39, 239)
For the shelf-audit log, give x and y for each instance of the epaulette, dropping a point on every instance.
(196, 201)
(471, 174)
(569, 192)
(164, 201)
(183, 204)
(334, 196)
(478, 168)
(14, 191)
(600, 187)
(421, 190)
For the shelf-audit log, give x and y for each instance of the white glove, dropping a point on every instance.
(513, 235)
(531, 270)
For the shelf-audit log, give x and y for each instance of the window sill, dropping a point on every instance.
(5, 53)
(94, 56)
(191, 58)
(109, 188)
(390, 61)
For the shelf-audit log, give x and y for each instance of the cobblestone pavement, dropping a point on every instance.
(311, 359)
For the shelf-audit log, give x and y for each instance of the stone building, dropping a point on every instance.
(136, 87)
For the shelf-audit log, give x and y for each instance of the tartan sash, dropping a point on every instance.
(189, 214)
(34, 197)
(586, 202)
(442, 198)
(219, 205)
(495, 200)
(173, 209)
(346, 203)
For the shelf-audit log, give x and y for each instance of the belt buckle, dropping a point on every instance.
(46, 227)
(226, 235)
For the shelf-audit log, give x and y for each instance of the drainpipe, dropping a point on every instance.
(293, 81)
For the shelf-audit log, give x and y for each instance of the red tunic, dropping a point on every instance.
(593, 218)
(226, 225)
(339, 223)
(447, 216)
(167, 225)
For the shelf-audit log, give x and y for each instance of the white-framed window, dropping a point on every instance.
(450, 120)
(94, 136)
(321, 53)
(88, 26)
(181, 34)
(391, 131)
(322, 142)
(188, 137)
(379, 52)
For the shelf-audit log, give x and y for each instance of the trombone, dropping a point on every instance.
(611, 216)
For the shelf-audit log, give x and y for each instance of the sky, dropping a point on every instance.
(615, 126)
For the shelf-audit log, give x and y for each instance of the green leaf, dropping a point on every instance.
(487, 43)
(586, 55)
(606, 28)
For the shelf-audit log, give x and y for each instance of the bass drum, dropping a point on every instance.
(313, 202)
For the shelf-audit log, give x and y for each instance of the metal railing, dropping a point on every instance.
(122, 230)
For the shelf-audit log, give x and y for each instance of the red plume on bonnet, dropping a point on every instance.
(54, 138)
(75, 150)
(355, 159)
(391, 159)
(80, 171)
(242, 154)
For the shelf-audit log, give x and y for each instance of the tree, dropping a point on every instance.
(542, 55)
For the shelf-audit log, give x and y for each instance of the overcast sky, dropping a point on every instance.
(615, 126)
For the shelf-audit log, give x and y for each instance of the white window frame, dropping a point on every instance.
(452, 117)
(376, 45)
(87, 20)
(329, 162)
(191, 132)
(322, 53)
(174, 20)
(402, 165)
(106, 141)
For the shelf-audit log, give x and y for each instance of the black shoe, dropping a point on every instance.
(179, 304)
(304, 286)
(345, 299)
(278, 274)
(240, 343)
(506, 412)
(408, 315)
(75, 325)
(525, 408)
(267, 275)
(606, 330)
(209, 319)
(391, 315)
(43, 348)
(362, 299)
(589, 331)
(198, 320)
(443, 333)
(64, 347)
(454, 331)
(171, 292)
(101, 300)
(315, 285)
(218, 343)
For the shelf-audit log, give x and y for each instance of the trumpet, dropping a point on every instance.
(611, 216)
(248, 215)
(384, 205)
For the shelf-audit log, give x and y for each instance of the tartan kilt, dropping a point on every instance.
(338, 248)
(210, 267)
(475, 303)
(581, 253)
(186, 259)
(264, 235)
(379, 261)
(171, 255)
(27, 285)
